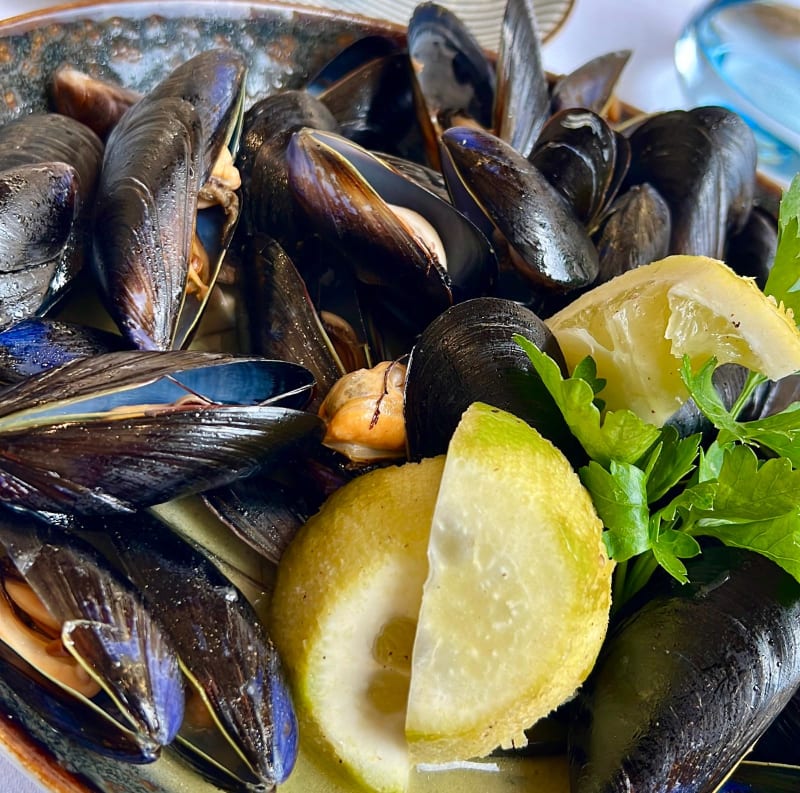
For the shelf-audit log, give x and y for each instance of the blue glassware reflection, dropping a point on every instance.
(745, 55)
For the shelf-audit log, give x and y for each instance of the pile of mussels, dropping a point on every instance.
(423, 231)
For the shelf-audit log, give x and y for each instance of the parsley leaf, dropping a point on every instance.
(783, 282)
(621, 435)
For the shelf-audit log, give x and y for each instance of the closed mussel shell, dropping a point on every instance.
(49, 165)
(702, 162)
(468, 354)
(550, 246)
(635, 231)
(577, 152)
(699, 670)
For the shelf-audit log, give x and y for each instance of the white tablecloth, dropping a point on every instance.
(648, 27)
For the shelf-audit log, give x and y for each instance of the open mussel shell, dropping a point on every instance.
(130, 687)
(34, 345)
(248, 736)
(268, 207)
(280, 319)
(147, 228)
(453, 76)
(487, 178)
(374, 106)
(591, 85)
(468, 354)
(416, 262)
(128, 429)
(522, 98)
(699, 671)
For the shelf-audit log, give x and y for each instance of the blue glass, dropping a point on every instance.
(745, 55)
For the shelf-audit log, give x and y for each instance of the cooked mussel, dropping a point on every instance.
(467, 354)
(687, 682)
(48, 171)
(414, 253)
(84, 650)
(703, 163)
(240, 729)
(126, 429)
(156, 255)
(549, 247)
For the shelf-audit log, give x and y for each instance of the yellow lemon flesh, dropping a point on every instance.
(343, 616)
(639, 325)
(516, 602)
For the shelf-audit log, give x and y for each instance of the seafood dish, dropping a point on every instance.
(250, 257)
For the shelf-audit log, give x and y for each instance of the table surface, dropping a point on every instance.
(648, 27)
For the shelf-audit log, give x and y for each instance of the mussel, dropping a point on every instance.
(239, 729)
(688, 681)
(84, 649)
(156, 259)
(115, 431)
(49, 166)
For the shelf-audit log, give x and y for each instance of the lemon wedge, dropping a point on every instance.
(639, 325)
(344, 614)
(515, 606)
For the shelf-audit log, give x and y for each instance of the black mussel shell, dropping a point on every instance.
(522, 97)
(453, 76)
(467, 354)
(93, 101)
(106, 625)
(486, 177)
(128, 429)
(687, 682)
(224, 651)
(49, 165)
(374, 106)
(576, 151)
(591, 85)
(281, 321)
(634, 231)
(267, 129)
(751, 250)
(348, 195)
(703, 163)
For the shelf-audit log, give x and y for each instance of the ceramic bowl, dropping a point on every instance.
(136, 43)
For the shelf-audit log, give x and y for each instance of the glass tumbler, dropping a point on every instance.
(745, 55)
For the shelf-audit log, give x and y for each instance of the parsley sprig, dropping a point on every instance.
(656, 492)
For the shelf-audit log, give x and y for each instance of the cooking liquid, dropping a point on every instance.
(745, 55)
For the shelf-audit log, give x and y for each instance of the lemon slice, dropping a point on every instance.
(515, 606)
(343, 616)
(638, 326)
